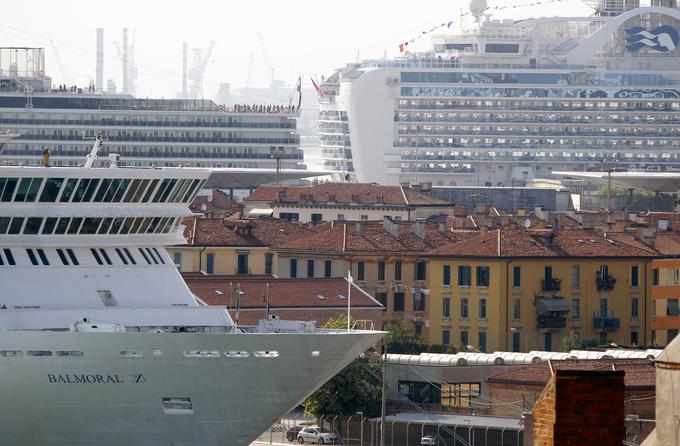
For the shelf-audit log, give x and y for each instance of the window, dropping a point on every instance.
(62, 256)
(268, 263)
(310, 267)
(327, 268)
(290, 216)
(670, 335)
(633, 337)
(124, 259)
(72, 256)
(516, 276)
(482, 308)
(209, 262)
(576, 308)
(421, 270)
(31, 256)
(655, 276)
(547, 342)
(672, 276)
(634, 307)
(364, 217)
(32, 225)
(317, 218)
(242, 263)
(482, 341)
(447, 275)
(418, 330)
(96, 256)
(361, 270)
(464, 275)
(515, 341)
(446, 336)
(517, 309)
(672, 307)
(464, 339)
(446, 307)
(178, 260)
(43, 257)
(575, 276)
(382, 298)
(9, 256)
(129, 256)
(418, 300)
(397, 270)
(634, 276)
(459, 394)
(420, 392)
(482, 276)
(341, 217)
(398, 301)
(293, 268)
(464, 308)
(381, 270)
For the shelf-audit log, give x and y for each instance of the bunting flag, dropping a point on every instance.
(318, 89)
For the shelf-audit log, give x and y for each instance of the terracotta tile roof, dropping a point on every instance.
(513, 243)
(346, 193)
(230, 232)
(375, 237)
(640, 373)
(283, 293)
(667, 244)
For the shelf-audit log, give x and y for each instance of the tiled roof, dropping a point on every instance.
(283, 293)
(346, 193)
(512, 243)
(667, 243)
(230, 232)
(376, 237)
(640, 373)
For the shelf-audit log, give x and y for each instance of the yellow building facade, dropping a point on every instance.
(512, 303)
(224, 260)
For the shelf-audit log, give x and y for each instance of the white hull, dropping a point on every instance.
(234, 399)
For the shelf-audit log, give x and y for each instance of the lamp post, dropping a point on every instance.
(277, 153)
(526, 338)
(609, 168)
(361, 429)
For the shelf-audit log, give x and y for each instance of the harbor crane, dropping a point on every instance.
(196, 72)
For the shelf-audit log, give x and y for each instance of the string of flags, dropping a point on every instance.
(403, 45)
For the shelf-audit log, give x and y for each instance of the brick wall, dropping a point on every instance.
(580, 408)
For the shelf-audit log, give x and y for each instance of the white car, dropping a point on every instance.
(315, 434)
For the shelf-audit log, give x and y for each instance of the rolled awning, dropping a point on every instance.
(260, 212)
(553, 304)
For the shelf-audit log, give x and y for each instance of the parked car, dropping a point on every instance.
(292, 432)
(316, 434)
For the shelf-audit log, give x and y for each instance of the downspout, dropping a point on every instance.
(507, 302)
(646, 286)
(200, 259)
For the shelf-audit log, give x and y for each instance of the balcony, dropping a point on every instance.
(604, 282)
(551, 284)
(551, 313)
(551, 321)
(606, 321)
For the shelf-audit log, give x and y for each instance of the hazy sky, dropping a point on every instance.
(307, 37)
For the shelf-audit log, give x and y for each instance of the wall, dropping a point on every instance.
(330, 213)
(226, 258)
(662, 322)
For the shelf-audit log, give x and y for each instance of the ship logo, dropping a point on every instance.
(663, 39)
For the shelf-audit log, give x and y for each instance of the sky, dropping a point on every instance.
(300, 37)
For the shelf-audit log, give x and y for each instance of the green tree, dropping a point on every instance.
(356, 388)
(571, 342)
(401, 339)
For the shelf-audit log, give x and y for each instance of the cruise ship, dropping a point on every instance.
(145, 132)
(508, 101)
(101, 341)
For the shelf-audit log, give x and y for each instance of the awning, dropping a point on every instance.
(261, 212)
(553, 304)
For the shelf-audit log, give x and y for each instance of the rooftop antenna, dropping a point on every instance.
(92, 156)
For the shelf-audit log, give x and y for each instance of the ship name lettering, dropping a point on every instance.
(84, 379)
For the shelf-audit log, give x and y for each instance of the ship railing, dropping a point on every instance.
(363, 324)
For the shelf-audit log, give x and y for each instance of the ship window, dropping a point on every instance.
(176, 406)
(181, 190)
(9, 256)
(22, 190)
(32, 225)
(129, 256)
(106, 224)
(161, 190)
(75, 225)
(39, 353)
(62, 256)
(107, 298)
(31, 257)
(68, 189)
(8, 191)
(50, 224)
(69, 353)
(132, 190)
(122, 257)
(135, 225)
(167, 191)
(236, 354)
(145, 256)
(154, 223)
(115, 227)
(140, 192)
(168, 225)
(90, 190)
(62, 225)
(99, 197)
(161, 225)
(51, 190)
(80, 190)
(201, 353)
(160, 257)
(11, 353)
(266, 354)
(131, 353)
(150, 190)
(90, 225)
(95, 254)
(145, 225)
(153, 258)
(121, 190)
(106, 257)
(15, 225)
(190, 193)
(111, 192)
(43, 257)
(73, 257)
(127, 224)
(4, 224)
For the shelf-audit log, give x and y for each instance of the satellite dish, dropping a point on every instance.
(527, 223)
(477, 8)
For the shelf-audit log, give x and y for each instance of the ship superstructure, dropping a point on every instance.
(513, 100)
(102, 343)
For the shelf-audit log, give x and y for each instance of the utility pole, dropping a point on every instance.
(609, 168)
(277, 153)
(383, 404)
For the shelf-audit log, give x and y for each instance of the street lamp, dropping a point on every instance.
(526, 338)
(361, 430)
(277, 153)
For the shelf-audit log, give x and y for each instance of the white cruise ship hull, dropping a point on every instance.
(105, 398)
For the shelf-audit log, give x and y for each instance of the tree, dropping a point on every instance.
(356, 388)
(571, 342)
(401, 339)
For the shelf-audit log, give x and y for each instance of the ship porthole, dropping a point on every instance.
(316, 354)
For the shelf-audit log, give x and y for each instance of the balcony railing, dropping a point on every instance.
(553, 322)
(606, 321)
(551, 285)
(604, 282)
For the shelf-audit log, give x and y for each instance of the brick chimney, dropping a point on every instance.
(580, 408)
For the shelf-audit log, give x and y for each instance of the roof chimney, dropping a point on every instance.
(419, 229)
(390, 226)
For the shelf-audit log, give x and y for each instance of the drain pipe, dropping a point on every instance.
(200, 259)
(507, 303)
